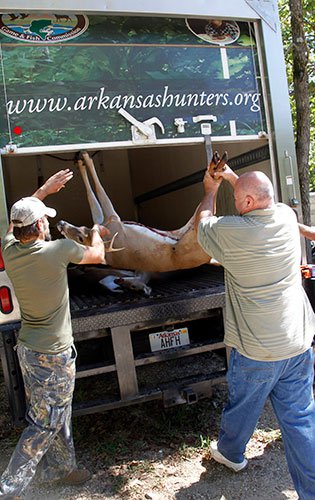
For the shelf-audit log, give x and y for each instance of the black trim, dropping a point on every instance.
(244, 160)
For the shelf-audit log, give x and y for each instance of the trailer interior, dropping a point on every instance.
(119, 361)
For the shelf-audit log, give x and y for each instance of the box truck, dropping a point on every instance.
(150, 92)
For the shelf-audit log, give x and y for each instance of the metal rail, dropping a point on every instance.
(244, 160)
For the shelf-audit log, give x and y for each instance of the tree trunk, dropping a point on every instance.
(300, 57)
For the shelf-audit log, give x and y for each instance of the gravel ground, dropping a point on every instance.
(147, 452)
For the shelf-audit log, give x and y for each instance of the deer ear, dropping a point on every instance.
(85, 231)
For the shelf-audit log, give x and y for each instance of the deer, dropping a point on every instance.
(139, 248)
(60, 17)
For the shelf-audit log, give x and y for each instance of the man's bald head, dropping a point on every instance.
(253, 190)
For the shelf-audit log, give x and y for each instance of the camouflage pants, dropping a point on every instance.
(47, 441)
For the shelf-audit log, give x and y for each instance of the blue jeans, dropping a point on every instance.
(289, 384)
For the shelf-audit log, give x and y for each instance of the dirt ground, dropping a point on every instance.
(147, 452)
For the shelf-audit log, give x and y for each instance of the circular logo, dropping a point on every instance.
(42, 27)
(217, 31)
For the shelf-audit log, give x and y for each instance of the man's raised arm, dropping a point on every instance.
(307, 231)
(211, 183)
(54, 184)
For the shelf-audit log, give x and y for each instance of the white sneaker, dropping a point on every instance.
(218, 457)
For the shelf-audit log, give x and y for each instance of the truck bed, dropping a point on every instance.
(116, 364)
(88, 297)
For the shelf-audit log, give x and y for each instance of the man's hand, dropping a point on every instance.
(54, 184)
(102, 230)
(217, 163)
(207, 205)
(210, 183)
(95, 252)
(226, 174)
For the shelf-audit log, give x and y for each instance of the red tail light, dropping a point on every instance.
(307, 271)
(6, 304)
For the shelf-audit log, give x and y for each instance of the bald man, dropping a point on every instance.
(269, 323)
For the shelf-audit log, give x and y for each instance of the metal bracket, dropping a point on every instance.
(294, 202)
(205, 128)
(180, 124)
(9, 149)
(208, 146)
(142, 132)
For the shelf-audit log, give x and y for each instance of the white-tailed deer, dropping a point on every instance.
(139, 247)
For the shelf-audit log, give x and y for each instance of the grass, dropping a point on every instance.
(148, 426)
(205, 442)
(131, 443)
(128, 445)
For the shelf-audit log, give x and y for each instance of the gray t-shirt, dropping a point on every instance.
(38, 272)
(268, 314)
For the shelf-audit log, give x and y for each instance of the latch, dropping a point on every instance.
(205, 128)
(180, 124)
(142, 132)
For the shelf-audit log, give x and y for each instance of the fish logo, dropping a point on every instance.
(42, 27)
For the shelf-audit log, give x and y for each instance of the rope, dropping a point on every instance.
(67, 159)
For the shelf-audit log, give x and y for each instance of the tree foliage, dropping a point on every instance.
(307, 20)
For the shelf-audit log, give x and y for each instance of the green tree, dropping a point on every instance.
(298, 28)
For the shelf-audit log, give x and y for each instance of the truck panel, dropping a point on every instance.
(89, 80)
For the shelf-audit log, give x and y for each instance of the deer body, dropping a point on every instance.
(141, 248)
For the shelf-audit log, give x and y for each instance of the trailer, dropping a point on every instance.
(150, 92)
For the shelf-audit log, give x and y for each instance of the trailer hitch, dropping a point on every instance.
(190, 396)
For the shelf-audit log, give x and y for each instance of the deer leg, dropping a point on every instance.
(217, 164)
(95, 207)
(106, 204)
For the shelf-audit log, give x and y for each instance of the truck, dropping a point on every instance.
(150, 92)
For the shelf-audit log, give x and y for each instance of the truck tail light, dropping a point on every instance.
(6, 304)
(307, 271)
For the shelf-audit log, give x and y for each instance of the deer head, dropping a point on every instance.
(83, 234)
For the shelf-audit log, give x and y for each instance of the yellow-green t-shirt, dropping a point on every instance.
(38, 272)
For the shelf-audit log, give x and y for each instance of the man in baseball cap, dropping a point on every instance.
(29, 210)
(37, 268)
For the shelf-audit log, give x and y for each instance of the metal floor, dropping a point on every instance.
(86, 294)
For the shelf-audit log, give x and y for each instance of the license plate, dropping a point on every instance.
(169, 339)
